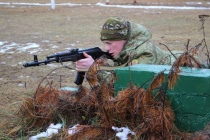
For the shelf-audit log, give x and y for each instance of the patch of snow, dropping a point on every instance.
(68, 48)
(29, 46)
(3, 3)
(5, 48)
(154, 7)
(53, 65)
(52, 129)
(123, 132)
(2, 43)
(72, 130)
(118, 6)
(72, 45)
(31, 52)
(41, 4)
(54, 47)
(20, 85)
(21, 76)
(45, 41)
(193, 3)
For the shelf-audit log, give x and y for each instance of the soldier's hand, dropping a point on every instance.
(84, 63)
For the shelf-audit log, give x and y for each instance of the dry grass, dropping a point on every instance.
(79, 25)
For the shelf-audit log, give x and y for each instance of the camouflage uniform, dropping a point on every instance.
(142, 50)
(138, 46)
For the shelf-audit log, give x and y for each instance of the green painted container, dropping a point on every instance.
(190, 98)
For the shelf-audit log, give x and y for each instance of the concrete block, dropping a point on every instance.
(190, 98)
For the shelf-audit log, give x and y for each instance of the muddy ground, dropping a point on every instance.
(78, 26)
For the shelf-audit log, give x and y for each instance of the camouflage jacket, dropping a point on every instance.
(138, 49)
(141, 50)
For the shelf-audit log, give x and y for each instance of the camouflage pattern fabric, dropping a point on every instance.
(114, 29)
(142, 50)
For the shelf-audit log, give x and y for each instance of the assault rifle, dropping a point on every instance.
(71, 55)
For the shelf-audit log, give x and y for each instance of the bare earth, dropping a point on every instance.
(78, 26)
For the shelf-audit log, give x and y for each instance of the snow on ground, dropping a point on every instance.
(2, 4)
(155, 7)
(52, 129)
(6, 47)
(72, 130)
(13, 4)
(193, 3)
(122, 132)
(28, 46)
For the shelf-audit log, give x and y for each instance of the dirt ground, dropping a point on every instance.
(78, 26)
